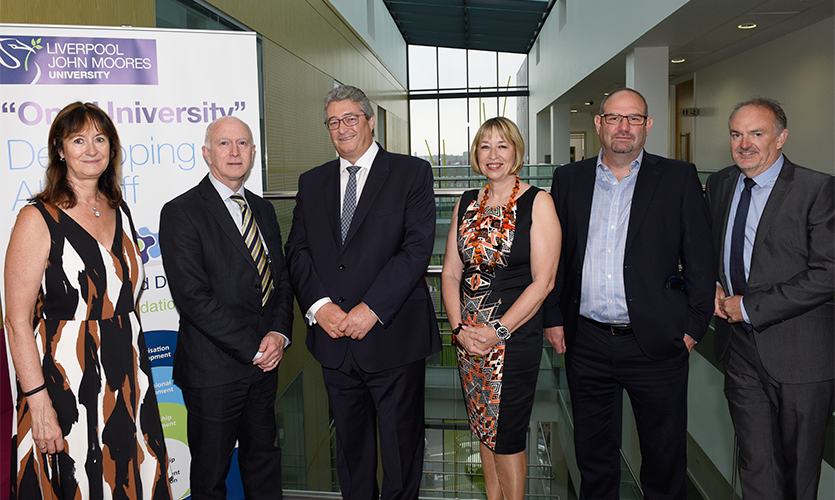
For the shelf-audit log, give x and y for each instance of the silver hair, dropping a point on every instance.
(345, 92)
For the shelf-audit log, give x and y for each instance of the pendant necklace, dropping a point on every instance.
(95, 210)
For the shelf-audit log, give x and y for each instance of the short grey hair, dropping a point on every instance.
(780, 121)
(214, 123)
(346, 92)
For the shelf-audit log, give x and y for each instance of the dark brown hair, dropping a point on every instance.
(72, 119)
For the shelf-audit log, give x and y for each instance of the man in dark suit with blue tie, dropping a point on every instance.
(620, 309)
(775, 333)
(221, 248)
(362, 236)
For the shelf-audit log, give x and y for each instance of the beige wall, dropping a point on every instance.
(139, 13)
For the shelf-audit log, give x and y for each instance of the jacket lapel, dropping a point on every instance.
(376, 178)
(648, 176)
(724, 198)
(781, 189)
(333, 211)
(215, 206)
(583, 201)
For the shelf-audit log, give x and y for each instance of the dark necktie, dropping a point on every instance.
(249, 230)
(350, 202)
(737, 263)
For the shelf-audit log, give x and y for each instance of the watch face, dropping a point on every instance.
(502, 332)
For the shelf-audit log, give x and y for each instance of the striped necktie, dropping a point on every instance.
(249, 230)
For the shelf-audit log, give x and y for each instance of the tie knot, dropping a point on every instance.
(749, 183)
(238, 199)
(353, 169)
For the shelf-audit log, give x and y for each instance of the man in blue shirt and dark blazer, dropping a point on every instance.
(775, 334)
(621, 309)
(362, 236)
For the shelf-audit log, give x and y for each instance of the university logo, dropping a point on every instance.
(12, 50)
(58, 60)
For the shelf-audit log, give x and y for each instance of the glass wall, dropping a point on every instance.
(453, 91)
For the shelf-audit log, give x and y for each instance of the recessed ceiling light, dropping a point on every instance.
(573, 110)
(746, 26)
(677, 60)
(605, 93)
(589, 103)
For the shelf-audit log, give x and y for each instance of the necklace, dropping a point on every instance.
(478, 255)
(95, 210)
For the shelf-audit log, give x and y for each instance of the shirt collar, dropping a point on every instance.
(223, 190)
(768, 176)
(633, 167)
(365, 161)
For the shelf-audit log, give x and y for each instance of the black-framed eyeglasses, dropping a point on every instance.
(615, 119)
(349, 121)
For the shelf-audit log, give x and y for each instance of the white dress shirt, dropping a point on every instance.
(365, 162)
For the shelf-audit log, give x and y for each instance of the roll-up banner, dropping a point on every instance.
(161, 88)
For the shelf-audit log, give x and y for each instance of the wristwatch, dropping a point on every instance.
(501, 331)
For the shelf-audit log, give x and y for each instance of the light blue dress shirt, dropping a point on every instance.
(759, 197)
(603, 297)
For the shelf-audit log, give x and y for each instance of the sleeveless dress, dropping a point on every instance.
(97, 372)
(498, 388)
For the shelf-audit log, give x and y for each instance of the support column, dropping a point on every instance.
(647, 71)
(560, 133)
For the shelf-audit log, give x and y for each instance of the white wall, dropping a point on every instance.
(570, 45)
(799, 71)
(382, 35)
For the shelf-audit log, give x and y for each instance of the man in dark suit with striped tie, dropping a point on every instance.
(221, 248)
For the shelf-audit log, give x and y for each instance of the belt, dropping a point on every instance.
(616, 329)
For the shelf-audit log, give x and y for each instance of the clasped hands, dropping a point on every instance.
(337, 323)
(727, 308)
(477, 340)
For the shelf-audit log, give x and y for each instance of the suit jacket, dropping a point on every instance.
(382, 262)
(791, 283)
(217, 288)
(668, 224)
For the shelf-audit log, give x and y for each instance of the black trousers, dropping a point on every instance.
(599, 367)
(242, 411)
(392, 399)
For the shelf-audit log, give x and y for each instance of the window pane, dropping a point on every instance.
(423, 72)
(452, 68)
(513, 66)
(454, 138)
(488, 107)
(424, 128)
(482, 69)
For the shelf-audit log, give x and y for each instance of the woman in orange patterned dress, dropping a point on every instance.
(501, 261)
(87, 423)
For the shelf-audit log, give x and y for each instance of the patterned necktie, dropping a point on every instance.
(737, 263)
(249, 230)
(350, 202)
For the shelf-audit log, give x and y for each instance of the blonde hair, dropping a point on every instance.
(509, 132)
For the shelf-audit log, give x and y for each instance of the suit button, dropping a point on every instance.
(341, 267)
(341, 299)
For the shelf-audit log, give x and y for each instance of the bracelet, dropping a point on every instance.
(35, 390)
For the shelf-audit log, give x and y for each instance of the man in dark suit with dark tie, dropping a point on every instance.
(221, 248)
(362, 236)
(773, 230)
(621, 309)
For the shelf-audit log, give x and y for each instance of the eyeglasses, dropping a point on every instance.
(349, 121)
(615, 119)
